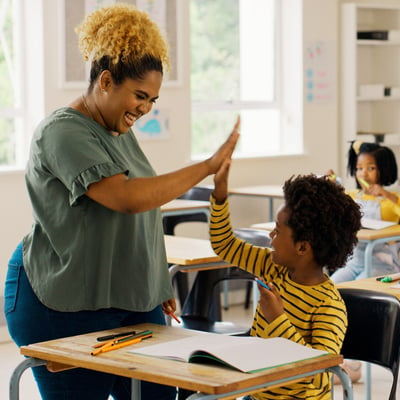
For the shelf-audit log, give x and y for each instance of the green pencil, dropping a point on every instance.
(364, 182)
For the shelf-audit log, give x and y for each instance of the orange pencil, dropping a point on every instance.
(174, 317)
(122, 338)
(111, 346)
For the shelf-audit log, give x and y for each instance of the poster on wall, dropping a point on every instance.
(153, 126)
(319, 72)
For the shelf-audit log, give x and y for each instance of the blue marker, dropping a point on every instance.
(262, 283)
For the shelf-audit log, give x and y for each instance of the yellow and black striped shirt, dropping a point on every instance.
(314, 316)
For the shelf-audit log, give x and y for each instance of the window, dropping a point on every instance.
(237, 51)
(11, 83)
(22, 74)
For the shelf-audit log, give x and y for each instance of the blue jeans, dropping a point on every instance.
(29, 321)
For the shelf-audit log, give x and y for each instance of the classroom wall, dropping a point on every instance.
(321, 122)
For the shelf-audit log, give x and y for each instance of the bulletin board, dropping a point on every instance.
(75, 71)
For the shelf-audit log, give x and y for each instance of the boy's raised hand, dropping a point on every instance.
(221, 182)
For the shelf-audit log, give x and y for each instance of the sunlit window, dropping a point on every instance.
(236, 55)
(11, 84)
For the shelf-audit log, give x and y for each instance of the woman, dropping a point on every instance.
(95, 257)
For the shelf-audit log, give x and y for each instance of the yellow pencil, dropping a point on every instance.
(111, 346)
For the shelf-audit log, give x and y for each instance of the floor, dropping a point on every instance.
(10, 358)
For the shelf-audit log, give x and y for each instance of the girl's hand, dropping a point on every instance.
(373, 189)
(330, 174)
(378, 191)
(270, 302)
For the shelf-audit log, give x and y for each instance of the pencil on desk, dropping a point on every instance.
(115, 336)
(123, 338)
(391, 278)
(116, 340)
(122, 343)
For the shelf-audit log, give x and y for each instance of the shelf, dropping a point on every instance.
(383, 98)
(367, 63)
(363, 42)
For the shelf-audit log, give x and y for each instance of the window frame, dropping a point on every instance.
(288, 84)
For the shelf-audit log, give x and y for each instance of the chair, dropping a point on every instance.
(170, 222)
(373, 333)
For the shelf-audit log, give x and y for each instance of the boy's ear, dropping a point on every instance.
(303, 247)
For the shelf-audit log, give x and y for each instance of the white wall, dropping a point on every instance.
(321, 121)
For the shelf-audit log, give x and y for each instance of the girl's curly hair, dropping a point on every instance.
(321, 213)
(123, 40)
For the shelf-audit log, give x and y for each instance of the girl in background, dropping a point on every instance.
(374, 167)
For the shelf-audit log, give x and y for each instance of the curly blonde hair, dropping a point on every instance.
(123, 34)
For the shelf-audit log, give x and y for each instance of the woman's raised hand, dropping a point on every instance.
(225, 151)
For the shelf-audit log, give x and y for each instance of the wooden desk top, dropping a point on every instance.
(184, 204)
(363, 234)
(372, 234)
(189, 251)
(266, 226)
(372, 284)
(259, 190)
(75, 351)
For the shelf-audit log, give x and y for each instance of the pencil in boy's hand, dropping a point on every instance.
(260, 282)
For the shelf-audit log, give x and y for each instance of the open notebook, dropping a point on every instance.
(246, 354)
(370, 223)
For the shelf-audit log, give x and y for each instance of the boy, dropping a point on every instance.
(316, 228)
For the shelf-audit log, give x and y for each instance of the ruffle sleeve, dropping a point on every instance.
(93, 174)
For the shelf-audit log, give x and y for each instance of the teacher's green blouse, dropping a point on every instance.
(79, 254)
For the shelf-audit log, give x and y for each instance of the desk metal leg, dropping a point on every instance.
(17, 373)
(271, 209)
(367, 381)
(345, 380)
(135, 390)
(35, 362)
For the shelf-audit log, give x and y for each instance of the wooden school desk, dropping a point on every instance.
(177, 210)
(375, 236)
(371, 237)
(271, 192)
(191, 255)
(211, 381)
(372, 284)
(185, 206)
